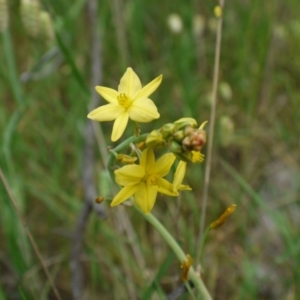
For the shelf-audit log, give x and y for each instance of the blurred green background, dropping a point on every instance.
(45, 67)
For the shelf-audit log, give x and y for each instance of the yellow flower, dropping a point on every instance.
(130, 101)
(145, 180)
(178, 177)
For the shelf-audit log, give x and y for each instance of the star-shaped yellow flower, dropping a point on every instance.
(145, 180)
(130, 101)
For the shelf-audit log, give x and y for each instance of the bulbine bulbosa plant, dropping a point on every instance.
(135, 166)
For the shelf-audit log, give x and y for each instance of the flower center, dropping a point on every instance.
(151, 180)
(124, 100)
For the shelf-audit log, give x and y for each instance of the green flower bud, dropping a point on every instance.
(167, 130)
(175, 147)
(178, 135)
(183, 122)
(155, 139)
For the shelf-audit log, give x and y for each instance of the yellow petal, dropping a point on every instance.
(143, 111)
(130, 83)
(179, 174)
(106, 112)
(145, 197)
(124, 194)
(166, 187)
(119, 126)
(108, 94)
(147, 160)
(183, 187)
(148, 89)
(163, 164)
(130, 174)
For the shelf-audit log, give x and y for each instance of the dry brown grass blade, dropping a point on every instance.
(30, 236)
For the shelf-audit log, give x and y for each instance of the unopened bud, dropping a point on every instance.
(175, 147)
(195, 140)
(99, 199)
(183, 122)
(155, 139)
(126, 159)
(179, 135)
(167, 130)
(222, 219)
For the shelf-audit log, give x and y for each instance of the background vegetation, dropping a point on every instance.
(44, 103)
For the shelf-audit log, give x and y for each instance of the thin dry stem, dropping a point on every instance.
(211, 127)
(89, 184)
(28, 233)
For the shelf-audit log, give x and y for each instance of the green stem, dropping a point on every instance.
(179, 253)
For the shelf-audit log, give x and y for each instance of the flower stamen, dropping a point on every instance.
(152, 180)
(124, 100)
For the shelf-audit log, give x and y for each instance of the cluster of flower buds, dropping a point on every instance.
(183, 138)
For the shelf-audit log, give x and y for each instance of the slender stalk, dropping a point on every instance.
(30, 236)
(179, 253)
(211, 127)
